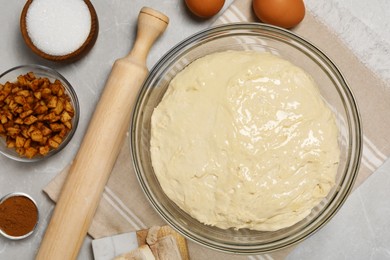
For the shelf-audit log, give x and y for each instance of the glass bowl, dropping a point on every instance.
(16, 222)
(261, 38)
(40, 71)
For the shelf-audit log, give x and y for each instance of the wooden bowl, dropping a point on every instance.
(73, 56)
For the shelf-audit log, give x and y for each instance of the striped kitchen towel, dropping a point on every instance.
(124, 207)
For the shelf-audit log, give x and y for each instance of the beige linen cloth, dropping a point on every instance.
(124, 207)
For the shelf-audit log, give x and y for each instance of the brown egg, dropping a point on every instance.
(283, 13)
(205, 8)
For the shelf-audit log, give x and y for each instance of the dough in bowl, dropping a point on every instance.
(243, 139)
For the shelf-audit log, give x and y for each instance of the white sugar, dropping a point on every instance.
(58, 27)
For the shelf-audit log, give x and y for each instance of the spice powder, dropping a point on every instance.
(18, 216)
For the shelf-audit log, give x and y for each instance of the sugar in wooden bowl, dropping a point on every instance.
(58, 30)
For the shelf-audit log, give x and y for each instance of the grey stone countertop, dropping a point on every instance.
(361, 229)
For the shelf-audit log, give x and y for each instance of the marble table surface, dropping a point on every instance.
(361, 229)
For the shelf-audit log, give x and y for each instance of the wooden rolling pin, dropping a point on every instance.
(98, 152)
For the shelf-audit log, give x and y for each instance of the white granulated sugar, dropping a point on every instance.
(58, 27)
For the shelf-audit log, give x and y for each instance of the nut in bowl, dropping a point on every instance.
(39, 112)
(264, 39)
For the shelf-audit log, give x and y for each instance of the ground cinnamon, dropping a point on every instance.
(18, 216)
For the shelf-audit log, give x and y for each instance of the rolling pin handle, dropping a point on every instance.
(151, 24)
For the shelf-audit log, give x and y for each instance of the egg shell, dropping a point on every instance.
(205, 8)
(283, 13)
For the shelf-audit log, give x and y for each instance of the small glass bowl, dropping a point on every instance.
(40, 71)
(20, 194)
(262, 38)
